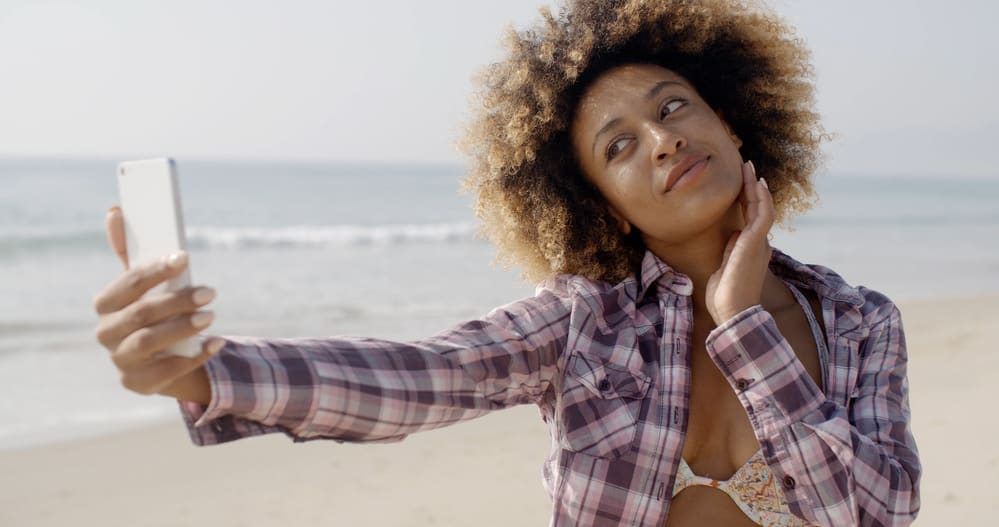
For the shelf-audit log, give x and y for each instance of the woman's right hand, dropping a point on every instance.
(136, 329)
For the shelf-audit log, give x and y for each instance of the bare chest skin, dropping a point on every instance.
(720, 438)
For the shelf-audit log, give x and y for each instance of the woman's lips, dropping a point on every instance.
(688, 169)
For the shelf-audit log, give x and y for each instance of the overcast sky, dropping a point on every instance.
(908, 86)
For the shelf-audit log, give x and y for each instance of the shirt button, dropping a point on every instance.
(743, 384)
(789, 482)
(604, 385)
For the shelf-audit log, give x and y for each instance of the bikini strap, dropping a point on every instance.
(817, 334)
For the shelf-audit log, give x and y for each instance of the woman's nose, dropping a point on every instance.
(665, 142)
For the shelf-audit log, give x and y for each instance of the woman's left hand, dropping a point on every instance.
(738, 284)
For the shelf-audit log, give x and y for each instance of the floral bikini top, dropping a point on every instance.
(753, 487)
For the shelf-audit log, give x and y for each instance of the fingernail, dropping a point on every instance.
(765, 185)
(752, 166)
(216, 345)
(203, 295)
(176, 260)
(115, 208)
(202, 318)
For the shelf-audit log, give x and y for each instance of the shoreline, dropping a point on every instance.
(478, 471)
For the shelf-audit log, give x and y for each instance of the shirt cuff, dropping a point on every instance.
(763, 370)
(217, 422)
(222, 398)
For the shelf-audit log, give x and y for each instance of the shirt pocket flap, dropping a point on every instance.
(606, 380)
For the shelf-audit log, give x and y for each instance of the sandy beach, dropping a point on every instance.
(487, 472)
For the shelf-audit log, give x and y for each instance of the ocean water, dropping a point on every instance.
(300, 249)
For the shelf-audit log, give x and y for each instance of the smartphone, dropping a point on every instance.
(149, 192)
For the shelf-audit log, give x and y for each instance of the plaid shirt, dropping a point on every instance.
(609, 367)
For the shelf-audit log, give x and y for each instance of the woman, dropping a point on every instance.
(689, 374)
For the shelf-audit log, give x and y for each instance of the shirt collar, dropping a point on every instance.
(655, 271)
(817, 278)
(820, 279)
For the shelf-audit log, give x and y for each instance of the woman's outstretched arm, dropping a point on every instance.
(364, 389)
(351, 389)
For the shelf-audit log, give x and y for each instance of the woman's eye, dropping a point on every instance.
(670, 107)
(616, 147)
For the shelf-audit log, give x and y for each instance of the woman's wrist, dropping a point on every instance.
(195, 386)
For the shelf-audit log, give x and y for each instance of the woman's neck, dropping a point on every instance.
(699, 256)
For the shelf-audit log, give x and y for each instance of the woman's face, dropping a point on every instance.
(663, 159)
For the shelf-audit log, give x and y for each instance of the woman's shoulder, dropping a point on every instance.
(574, 285)
(867, 305)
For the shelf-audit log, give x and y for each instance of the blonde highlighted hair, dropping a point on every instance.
(533, 200)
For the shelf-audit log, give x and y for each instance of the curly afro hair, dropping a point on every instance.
(533, 200)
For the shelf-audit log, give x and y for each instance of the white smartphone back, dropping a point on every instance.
(149, 192)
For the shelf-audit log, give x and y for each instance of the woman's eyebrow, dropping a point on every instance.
(610, 124)
(659, 87)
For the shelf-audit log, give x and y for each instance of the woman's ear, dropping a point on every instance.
(730, 130)
(623, 224)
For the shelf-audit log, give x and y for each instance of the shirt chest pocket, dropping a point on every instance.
(599, 406)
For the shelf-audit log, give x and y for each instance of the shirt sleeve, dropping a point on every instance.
(838, 466)
(371, 390)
